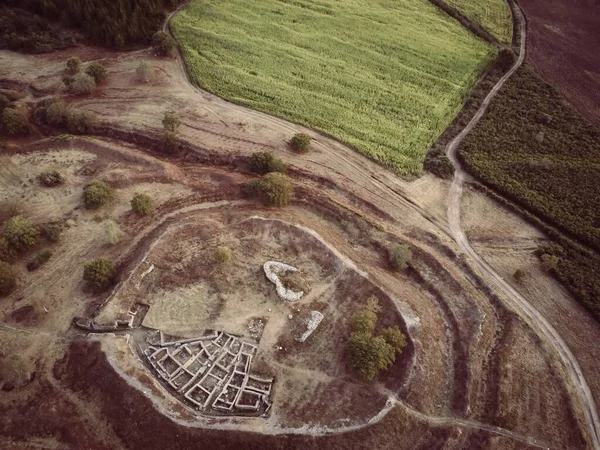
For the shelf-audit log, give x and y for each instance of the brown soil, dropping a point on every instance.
(564, 38)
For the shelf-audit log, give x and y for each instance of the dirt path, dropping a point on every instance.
(515, 300)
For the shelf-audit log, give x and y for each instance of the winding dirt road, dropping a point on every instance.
(515, 300)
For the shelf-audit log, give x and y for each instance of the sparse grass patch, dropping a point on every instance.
(384, 77)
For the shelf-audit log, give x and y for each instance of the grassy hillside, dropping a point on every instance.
(493, 15)
(536, 150)
(385, 77)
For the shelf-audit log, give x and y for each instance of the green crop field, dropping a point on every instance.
(493, 15)
(386, 77)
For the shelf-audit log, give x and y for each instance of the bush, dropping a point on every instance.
(52, 231)
(99, 273)
(144, 72)
(74, 64)
(300, 143)
(80, 122)
(519, 275)
(265, 162)
(171, 143)
(399, 256)
(15, 121)
(97, 72)
(223, 255)
(20, 233)
(51, 178)
(40, 259)
(82, 83)
(56, 113)
(273, 189)
(163, 44)
(171, 121)
(96, 194)
(113, 232)
(394, 337)
(8, 278)
(142, 204)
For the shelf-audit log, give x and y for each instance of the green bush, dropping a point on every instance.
(163, 44)
(20, 233)
(80, 122)
(265, 162)
(96, 71)
(15, 121)
(142, 204)
(82, 83)
(272, 189)
(96, 194)
(171, 121)
(51, 178)
(52, 231)
(39, 260)
(99, 273)
(74, 64)
(394, 337)
(300, 143)
(8, 278)
(223, 255)
(399, 256)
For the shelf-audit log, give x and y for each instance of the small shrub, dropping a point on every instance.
(51, 178)
(144, 72)
(7, 253)
(273, 189)
(52, 231)
(74, 64)
(171, 143)
(113, 232)
(223, 255)
(15, 121)
(171, 121)
(57, 113)
(82, 84)
(39, 260)
(99, 273)
(519, 275)
(97, 71)
(300, 143)
(20, 233)
(399, 256)
(96, 194)
(80, 122)
(8, 278)
(163, 44)
(142, 204)
(265, 162)
(68, 81)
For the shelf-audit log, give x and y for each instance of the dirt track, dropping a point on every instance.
(519, 303)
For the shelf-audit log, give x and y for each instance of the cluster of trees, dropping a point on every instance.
(115, 23)
(534, 149)
(58, 114)
(370, 352)
(274, 188)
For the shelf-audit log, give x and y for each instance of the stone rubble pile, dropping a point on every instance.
(311, 325)
(272, 269)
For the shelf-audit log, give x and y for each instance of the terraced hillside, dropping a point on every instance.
(384, 77)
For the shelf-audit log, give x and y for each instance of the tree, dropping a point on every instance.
(163, 44)
(82, 84)
(142, 204)
(171, 121)
(370, 354)
(273, 189)
(8, 278)
(96, 71)
(144, 72)
(74, 64)
(300, 143)
(96, 194)
(223, 255)
(399, 256)
(20, 233)
(364, 321)
(265, 162)
(15, 121)
(99, 273)
(394, 337)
